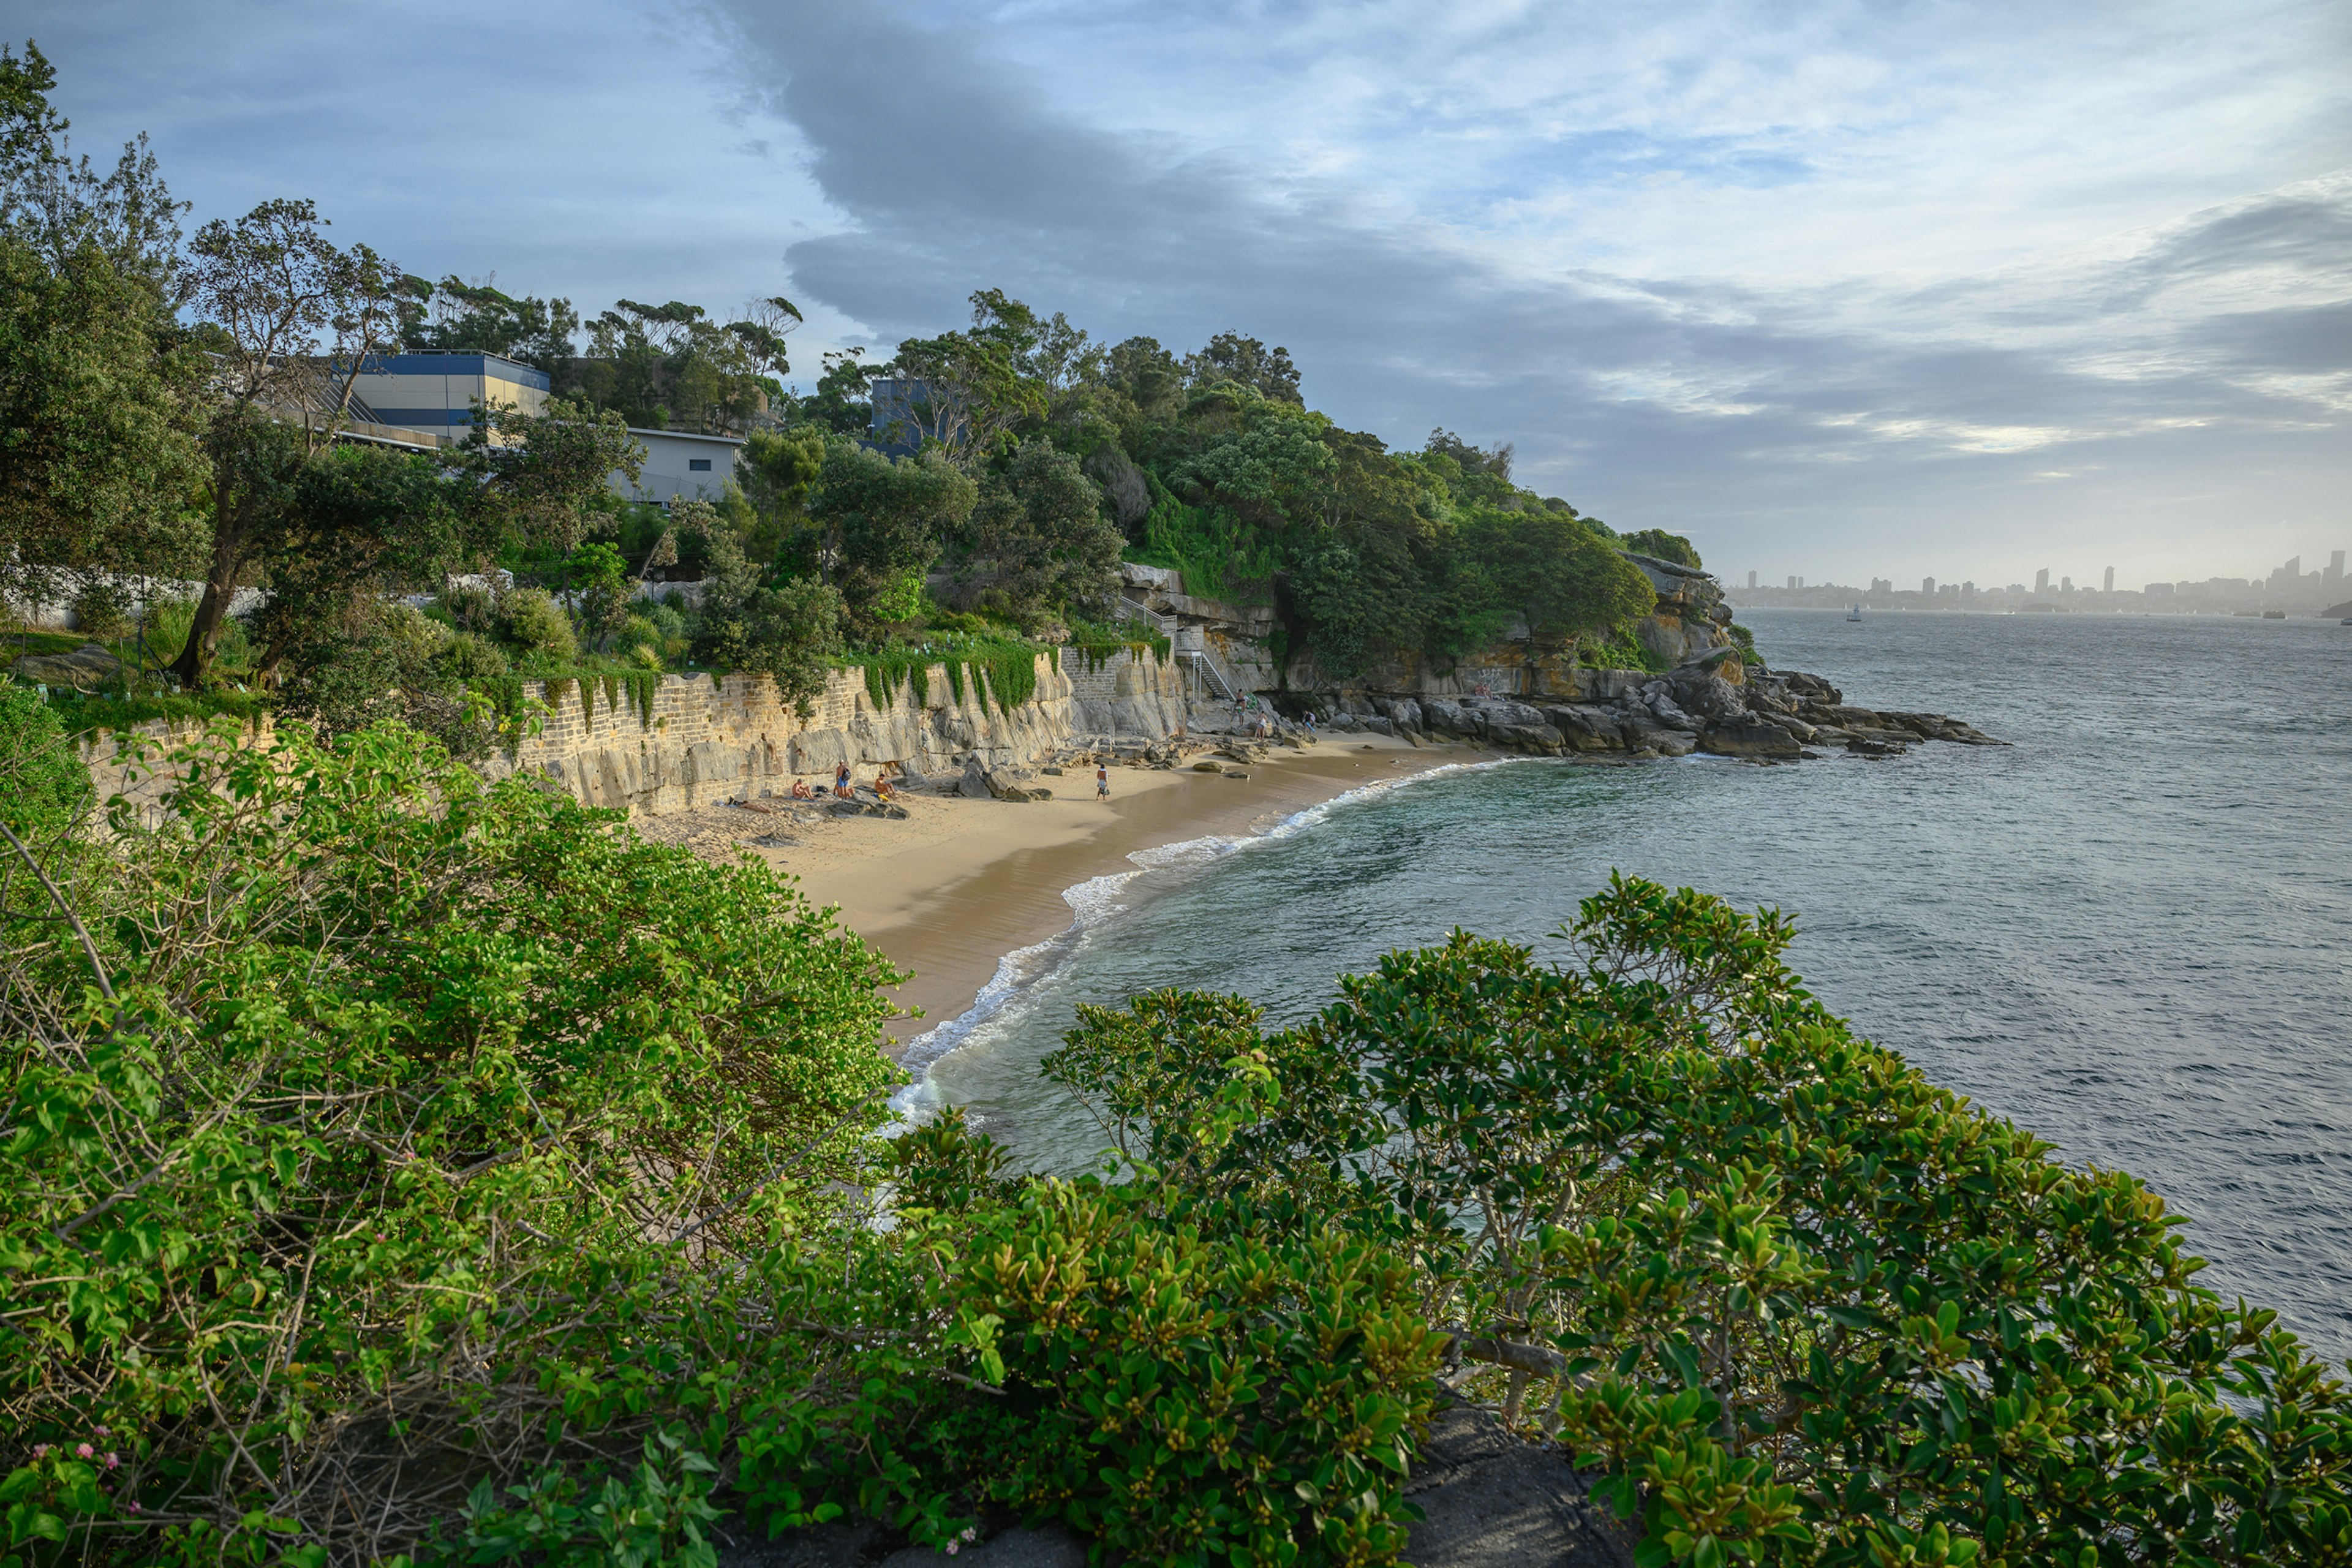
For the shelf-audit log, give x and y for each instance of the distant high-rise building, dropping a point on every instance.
(2111, 580)
(1926, 587)
(2293, 567)
(2041, 581)
(2065, 584)
(1792, 579)
(1751, 579)
(1967, 590)
(2334, 575)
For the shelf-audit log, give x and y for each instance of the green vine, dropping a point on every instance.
(1012, 675)
(1004, 672)
(1099, 654)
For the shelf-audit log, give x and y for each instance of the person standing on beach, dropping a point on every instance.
(1102, 783)
(841, 780)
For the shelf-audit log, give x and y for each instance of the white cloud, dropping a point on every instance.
(1825, 285)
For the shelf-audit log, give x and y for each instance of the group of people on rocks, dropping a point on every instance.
(842, 788)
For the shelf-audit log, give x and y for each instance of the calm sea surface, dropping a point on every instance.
(2130, 929)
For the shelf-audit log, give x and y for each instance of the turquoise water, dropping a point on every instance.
(2127, 929)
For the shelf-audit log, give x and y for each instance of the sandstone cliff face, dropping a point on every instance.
(709, 739)
(706, 740)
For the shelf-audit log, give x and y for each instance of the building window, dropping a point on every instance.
(698, 465)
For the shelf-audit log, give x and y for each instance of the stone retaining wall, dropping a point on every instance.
(706, 740)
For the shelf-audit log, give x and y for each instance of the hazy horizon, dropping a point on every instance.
(1840, 290)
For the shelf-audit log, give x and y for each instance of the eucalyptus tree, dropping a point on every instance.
(290, 319)
(97, 381)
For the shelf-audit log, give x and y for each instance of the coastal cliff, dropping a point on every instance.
(1709, 692)
(692, 740)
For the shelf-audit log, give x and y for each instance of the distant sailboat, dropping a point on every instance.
(1854, 614)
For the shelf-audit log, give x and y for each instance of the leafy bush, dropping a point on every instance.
(471, 657)
(46, 789)
(530, 622)
(1804, 1305)
(102, 607)
(408, 1132)
(1186, 1382)
(1663, 546)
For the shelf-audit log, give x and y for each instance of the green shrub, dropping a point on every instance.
(638, 636)
(467, 1139)
(1186, 1382)
(531, 623)
(45, 789)
(169, 621)
(1804, 1306)
(472, 658)
(101, 608)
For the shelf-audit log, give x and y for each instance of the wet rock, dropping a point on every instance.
(1750, 736)
(1671, 716)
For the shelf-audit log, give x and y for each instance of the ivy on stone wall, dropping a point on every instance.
(1099, 654)
(1010, 669)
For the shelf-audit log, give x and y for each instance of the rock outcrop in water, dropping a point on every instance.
(1712, 697)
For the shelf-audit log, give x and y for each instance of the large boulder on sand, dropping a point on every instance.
(1448, 716)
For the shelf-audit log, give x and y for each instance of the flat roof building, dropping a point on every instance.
(678, 465)
(435, 394)
(437, 391)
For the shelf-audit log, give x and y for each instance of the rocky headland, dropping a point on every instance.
(1712, 695)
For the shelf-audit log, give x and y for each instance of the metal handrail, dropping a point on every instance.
(1142, 612)
(1202, 660)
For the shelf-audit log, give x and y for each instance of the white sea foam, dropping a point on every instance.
(1097, 901)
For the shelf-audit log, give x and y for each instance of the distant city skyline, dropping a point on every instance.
(2112, 578)
(2286, 589)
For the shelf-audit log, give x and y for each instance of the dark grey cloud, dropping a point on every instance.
(1696, 403)
(1646, 245)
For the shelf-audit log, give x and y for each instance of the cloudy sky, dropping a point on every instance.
(1845, 289)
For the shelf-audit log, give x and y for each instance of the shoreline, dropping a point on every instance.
(959, 885)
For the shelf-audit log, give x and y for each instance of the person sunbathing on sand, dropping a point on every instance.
(800, 790)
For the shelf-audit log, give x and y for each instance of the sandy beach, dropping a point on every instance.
(957, 884)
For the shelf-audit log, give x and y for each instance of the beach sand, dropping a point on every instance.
(959, 883)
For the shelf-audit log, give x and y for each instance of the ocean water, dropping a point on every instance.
(2130, 929)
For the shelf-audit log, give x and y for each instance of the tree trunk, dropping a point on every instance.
(195, 661)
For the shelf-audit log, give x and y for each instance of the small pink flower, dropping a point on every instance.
(84, 1450)
(971, 1532)
(133, 1507)
(40, 1450)
(113, 1462)
(953, 1547)
(101, 1432)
